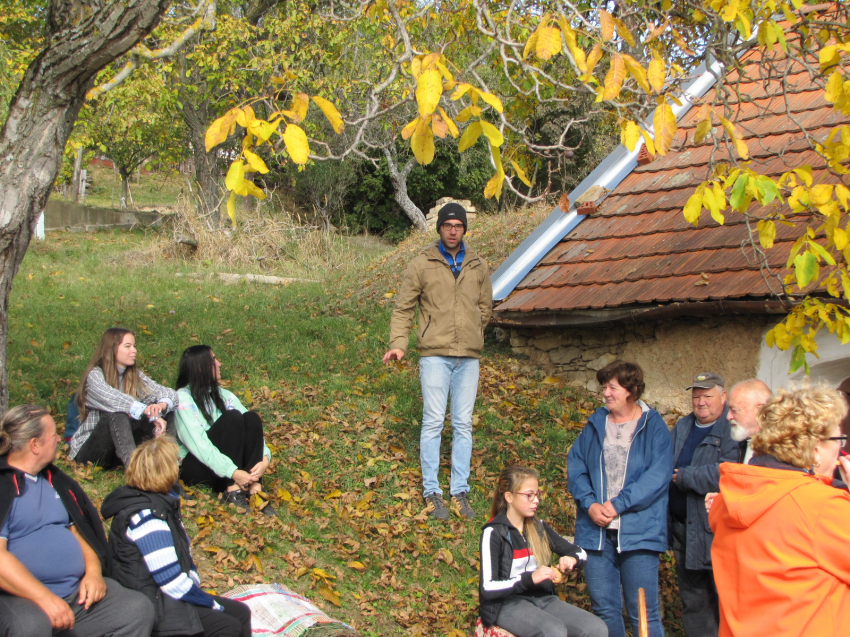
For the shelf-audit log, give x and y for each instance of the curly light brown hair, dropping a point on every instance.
(793, 422)
(154, 465)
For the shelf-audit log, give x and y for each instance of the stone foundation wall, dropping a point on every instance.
(671, 353)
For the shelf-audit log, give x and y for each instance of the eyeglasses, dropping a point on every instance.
(453, 226)
(531, 495)
(842, 439)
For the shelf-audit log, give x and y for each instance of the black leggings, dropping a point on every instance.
(116, 436)
(235, 621)
(239, 437)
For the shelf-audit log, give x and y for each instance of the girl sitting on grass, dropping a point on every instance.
(119, 406)
(221, 442)
(151, 553)
(516, 588)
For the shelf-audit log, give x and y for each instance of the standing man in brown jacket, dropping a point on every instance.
(451, 285)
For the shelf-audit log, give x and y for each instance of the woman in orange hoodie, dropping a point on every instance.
(782, 526)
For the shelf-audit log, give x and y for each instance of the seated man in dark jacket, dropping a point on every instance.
(701, 441)
(52, 545)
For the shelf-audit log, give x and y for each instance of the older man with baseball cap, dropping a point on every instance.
(701, 441)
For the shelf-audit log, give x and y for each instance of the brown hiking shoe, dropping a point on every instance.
(462, 502)
(440, 511)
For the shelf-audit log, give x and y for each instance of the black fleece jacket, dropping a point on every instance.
(80, 509)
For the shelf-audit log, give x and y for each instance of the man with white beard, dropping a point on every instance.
(745, 400)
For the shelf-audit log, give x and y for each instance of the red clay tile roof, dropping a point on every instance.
(637, 249)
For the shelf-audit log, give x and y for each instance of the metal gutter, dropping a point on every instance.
(608, 174)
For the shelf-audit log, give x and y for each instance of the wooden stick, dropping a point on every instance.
(643, 627)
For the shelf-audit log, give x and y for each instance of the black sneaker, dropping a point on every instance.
(440, 511)
(236, 498)
(462, 501)
(269, 510)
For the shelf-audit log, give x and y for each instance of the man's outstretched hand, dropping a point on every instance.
(394, 354)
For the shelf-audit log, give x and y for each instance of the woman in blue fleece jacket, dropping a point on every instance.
(618, 472)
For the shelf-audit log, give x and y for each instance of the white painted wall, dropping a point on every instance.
(39, 228)
(832, 364)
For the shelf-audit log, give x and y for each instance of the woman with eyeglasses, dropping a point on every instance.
(516, 590)
(618, 472)
(781, 533)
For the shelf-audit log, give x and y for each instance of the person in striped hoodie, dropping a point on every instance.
(150, 550)
(516, 589)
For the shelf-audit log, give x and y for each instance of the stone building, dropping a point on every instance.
(621, 274)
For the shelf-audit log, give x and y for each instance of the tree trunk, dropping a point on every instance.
(399, 178)
(125, 191)
(197, 117)
(82, 38)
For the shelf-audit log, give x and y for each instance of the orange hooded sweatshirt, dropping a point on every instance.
(781, 553)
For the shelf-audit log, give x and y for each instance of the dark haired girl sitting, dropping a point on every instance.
(221, 442)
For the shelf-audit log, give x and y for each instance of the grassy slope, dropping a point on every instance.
(344, 428)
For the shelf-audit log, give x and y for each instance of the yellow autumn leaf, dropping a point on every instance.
(606, 24)
(301, 571)
(357, 566)
(453, 130)
(840, 238)
(219, 129)
(330, 595)
(429, 88)
(829, 56)
(409, 128)
(614, 78)
(624, 32)
(284, 495)
(492, 133)
(593, 58)
(296, 143)
(494, 186)
(767, 233)
(548, 42)
(460, 90)
(740, 146)
(438, 126)
(252, 189)
(530, 46)
(702, 131)
(521, 174)
(693, 208)
(298, 107)
(821, 194)
(422, 142)
(336, 493)
(636, 71)
(470, 136)
(331, 113)
(492, 101)
(255, 162)
(629, 135)
(664, 127)
(647, 139)
(656, 74)
(235, 175)
(257, 564)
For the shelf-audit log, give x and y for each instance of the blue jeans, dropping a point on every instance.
(443, 377)
(611, 576)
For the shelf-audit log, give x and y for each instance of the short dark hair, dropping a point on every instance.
(628, 374)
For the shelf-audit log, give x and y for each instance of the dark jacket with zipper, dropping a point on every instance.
(700, 477)
(173, 617)
(452, 312)
(506, 566)
(80, 509)
(642, 503)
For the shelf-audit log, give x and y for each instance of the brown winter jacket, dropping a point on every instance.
(452, 312)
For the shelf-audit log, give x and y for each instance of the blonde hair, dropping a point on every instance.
(104, 357)
(793, 422)
(20, 425)
(154, 465)
(510, 480)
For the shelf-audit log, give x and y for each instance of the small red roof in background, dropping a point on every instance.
(637, 248)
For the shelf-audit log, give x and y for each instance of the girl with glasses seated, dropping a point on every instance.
(516, 587)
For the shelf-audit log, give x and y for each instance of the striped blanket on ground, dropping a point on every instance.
(277, 611)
